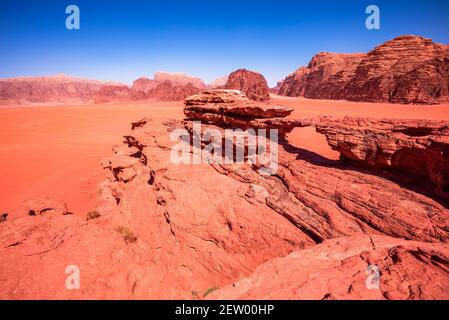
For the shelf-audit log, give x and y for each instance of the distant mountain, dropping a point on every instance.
(56, 88)
(61, 88)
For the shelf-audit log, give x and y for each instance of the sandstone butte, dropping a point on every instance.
(224, 231)
(253, 84)
(408, 69)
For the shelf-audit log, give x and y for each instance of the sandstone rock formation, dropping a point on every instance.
(232, 109)
(168, 87)
(337, 269)
(144, 85)
(415, 147)
(253, 84)
(179, 79)
(324, 78)
(58, 88)
(407, 69)
(167, 91)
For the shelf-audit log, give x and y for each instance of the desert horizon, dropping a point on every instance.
(295, 152)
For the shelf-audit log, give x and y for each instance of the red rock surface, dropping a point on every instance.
(407, 69)
(337, 269)
(253, 84)
(415, 147)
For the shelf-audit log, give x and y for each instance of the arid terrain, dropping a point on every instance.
(118, 183)
(56, 150)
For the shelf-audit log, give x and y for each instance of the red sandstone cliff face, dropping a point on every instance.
(407, 69)
(251, 83)
(325, 76)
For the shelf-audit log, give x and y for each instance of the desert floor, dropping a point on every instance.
(56, 150)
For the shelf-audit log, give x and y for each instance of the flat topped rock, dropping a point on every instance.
(234, 102)
(216, 96)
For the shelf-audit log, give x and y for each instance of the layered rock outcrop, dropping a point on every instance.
(233, 109)
(251, 83)
(324, 78)
(415, 147)
(407, 69)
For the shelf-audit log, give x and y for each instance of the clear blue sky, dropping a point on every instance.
(123, 40)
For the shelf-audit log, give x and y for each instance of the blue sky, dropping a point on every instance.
(123, 40)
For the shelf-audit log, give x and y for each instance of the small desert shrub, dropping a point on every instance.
(194, 294)
(208, 291)
(93, 215)
(127, 234)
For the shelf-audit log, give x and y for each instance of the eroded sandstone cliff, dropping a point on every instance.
(407, 69)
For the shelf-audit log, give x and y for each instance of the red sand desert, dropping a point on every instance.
(56, 150)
